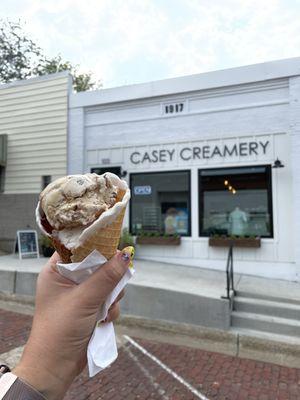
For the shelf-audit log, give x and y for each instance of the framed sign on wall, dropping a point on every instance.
(27, 244)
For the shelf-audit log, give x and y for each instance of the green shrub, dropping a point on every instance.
(46, 241)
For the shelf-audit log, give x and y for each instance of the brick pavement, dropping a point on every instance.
(14, 330)
(135, 376)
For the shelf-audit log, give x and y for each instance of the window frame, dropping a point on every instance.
(108, 167)
(45, 182)
(2, 178)
(189, 235)
(269, 191)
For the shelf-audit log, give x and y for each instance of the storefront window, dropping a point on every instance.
(46, 179)
(236, 201)
(100, 171)
(161, 203)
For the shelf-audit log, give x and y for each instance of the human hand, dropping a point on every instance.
(64, 320)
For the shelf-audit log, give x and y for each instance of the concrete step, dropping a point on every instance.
(267, 307)
(171, 305)
(278, 298)
(265, 323)
(267, 336)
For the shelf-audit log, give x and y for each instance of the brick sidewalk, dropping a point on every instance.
(14, 330)
(135, 376)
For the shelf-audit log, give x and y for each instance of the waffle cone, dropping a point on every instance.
(105, 240)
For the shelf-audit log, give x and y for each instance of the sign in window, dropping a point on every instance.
(236, 201)
(161, 203)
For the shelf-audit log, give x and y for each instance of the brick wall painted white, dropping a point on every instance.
(295, 159)
(109, 124)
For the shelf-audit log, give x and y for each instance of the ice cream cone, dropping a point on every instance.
(103, 235)
(105, 240)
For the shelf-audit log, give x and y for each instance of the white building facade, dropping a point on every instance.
(199, 154)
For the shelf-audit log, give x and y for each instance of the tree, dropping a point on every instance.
(18, 54)
(81, 81)
(21, 58)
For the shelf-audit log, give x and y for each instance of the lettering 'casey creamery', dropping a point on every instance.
(242, 149)
(153, 156)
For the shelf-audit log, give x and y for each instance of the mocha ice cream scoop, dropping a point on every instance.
(83, 213)
(77, 200)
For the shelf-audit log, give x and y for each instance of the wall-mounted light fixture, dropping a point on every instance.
(277, 164)
(123, 173)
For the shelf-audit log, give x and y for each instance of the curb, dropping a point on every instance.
(207, 339)
(214, 340)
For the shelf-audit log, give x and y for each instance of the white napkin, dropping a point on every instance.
(102, 348)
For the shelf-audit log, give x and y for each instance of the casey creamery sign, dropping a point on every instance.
(200, 152)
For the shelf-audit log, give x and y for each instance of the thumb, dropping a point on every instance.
(100, 284)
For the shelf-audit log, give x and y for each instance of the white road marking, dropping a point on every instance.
(147, 374)
(166, 368)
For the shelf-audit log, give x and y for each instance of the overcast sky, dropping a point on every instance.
(132, 41)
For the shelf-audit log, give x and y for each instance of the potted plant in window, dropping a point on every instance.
(236, 241)
(158, 238)
(47, 246)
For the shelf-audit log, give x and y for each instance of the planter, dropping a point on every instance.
(159, 241)
(47, 251)
(122, 245)
(236, 242)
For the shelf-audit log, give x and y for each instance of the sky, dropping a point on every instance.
(132, 41)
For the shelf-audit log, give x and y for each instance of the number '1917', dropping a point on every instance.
(174, 108)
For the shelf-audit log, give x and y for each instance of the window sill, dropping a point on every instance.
(236, 242)
(159, 241)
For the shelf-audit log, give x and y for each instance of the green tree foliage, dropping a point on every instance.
(18, 54)
(21, 58)
(81, 82)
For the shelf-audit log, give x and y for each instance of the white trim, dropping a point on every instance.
(28, 81)
(204, 137)
(192, 113)
(200, 95)
(209, 80)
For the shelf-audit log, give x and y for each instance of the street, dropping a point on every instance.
(147, 369)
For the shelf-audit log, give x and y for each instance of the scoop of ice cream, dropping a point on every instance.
(77, 200)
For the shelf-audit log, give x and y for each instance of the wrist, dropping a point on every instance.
(50, 388)
(49, 378)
